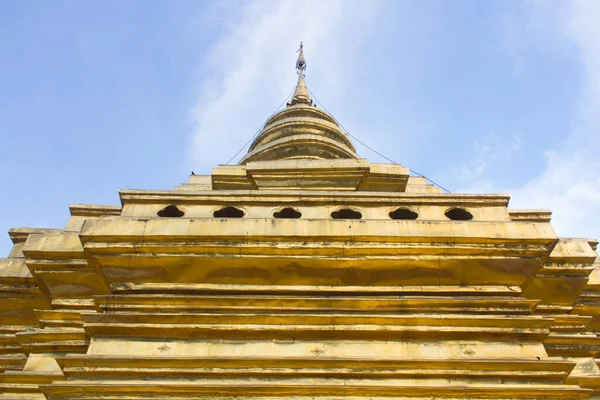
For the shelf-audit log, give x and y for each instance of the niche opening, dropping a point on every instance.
(228, 212)
(346, 213)
(403, 213)
(287, 213)
(458, 214)
(170, 211)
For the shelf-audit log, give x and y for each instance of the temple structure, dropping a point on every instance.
(303, 272)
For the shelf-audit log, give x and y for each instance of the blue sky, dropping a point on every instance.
(491, 97)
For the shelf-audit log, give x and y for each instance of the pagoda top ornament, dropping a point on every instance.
(301, 95)
(301, 130)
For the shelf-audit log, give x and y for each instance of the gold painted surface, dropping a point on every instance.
(124, 304)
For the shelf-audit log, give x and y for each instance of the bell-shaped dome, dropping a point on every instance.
(300, 131)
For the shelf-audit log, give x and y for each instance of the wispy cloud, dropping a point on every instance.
(570, 183)
(489, 151)
(253, 67)
(250, 71)
(477, 175)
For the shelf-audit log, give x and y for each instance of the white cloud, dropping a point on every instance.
(477, 174)
(489, 151)
(254, 67)
(253, 72)
(570, 184)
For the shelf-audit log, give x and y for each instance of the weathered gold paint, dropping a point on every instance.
(123, 304)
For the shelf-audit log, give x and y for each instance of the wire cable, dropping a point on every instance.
(370, 148)
(261, 127)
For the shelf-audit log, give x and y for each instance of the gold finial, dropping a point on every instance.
(301, 93)
(301, 62)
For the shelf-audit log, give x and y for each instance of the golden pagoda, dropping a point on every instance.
(303, 272)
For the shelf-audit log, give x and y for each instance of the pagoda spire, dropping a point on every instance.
(301, 130)
(301, 95)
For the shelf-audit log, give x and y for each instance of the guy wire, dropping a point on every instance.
(261, 127)
(370, 148)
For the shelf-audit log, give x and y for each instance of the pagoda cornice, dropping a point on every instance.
(12, 361)
(344, 237)
(308, 326)
(9, 344)
(59, 264)
(297, 389)
(49, 340)
(418, 302)
(411, 231)
(126, 254)
(94, 210)
(347, 252)
(313, 196)
(572, 345)
(223, 289)
(19, 294)
(26, 384)
(569, 323)
(530, 215)
(94, 366)
(20, 235)
(59, 318)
